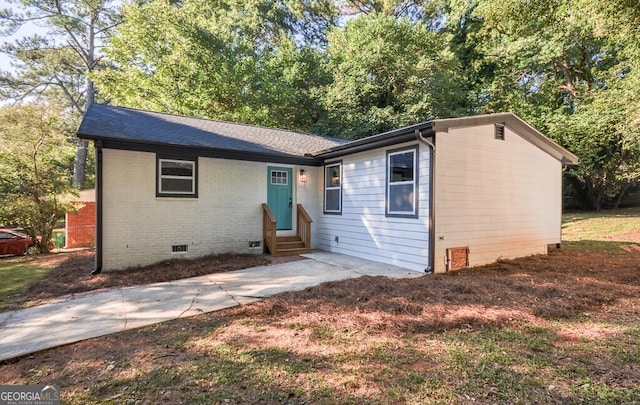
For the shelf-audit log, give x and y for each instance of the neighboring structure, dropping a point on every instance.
(80, 226)
(435, 196)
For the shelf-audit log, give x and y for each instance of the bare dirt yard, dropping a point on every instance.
(562, 328)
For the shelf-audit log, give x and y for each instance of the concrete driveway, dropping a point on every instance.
(99, 313)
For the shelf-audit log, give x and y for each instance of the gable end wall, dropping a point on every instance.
(501, 198)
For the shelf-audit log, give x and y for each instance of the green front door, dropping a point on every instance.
(279, 195)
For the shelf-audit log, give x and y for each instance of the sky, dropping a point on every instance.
(26, 30)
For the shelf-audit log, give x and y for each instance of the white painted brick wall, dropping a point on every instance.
(140, 228)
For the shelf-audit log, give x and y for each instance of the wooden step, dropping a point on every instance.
(288, 238)
(291, 252)
(289, 246)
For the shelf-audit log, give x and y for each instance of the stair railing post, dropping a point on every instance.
(269, 227)
(304, 226)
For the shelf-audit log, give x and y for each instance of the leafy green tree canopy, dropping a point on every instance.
(387, 72)
(36, 165)
(55, 65)
(232, 60)
(571, 69)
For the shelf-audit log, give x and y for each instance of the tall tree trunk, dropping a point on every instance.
(598, 198)
(80, 162)
(622, 194)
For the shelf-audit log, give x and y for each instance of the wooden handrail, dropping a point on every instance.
(269, 226)
(302, 212)
(304, 226)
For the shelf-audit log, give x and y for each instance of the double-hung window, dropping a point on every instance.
(402, 186)
(177, 178)
(333, 188)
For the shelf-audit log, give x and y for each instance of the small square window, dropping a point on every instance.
(279, 177)
(176, 178)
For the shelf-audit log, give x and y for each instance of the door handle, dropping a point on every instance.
(290, 204)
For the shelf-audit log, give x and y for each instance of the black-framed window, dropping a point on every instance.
(177, 178)
(402, 183)
(333, 188)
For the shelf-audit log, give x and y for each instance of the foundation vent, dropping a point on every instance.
(256, 244)
(178, 248)
(457, 258)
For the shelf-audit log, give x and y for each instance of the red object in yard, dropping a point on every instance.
(14, 243)
(81, 226)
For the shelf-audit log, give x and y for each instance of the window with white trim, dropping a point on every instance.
(333, 188)
(402, 190)
(280, 177)
(176, 178)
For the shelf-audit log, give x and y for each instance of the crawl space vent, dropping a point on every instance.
(178, 248)
(457, 258)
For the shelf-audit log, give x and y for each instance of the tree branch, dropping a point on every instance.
(68, 94)
(109, 27)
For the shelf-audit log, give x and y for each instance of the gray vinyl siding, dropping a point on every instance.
(363, 229)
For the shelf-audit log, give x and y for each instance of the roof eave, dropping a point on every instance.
(203, 151)
(516, 124)
(394, 137)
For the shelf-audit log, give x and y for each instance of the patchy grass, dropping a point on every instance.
(19, 273)
(606, 230)
(33, 280)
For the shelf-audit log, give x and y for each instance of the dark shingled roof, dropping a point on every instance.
(106, 122)
(134, 127)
